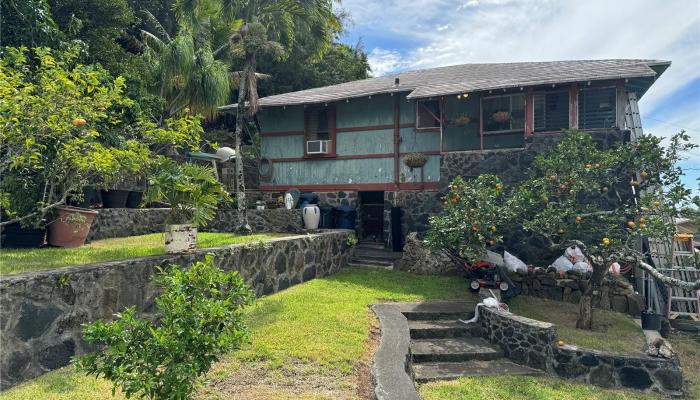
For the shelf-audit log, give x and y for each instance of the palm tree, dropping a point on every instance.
(188, 74)
(271, 28)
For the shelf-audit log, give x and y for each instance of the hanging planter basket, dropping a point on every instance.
(415, 160)
(501, 116)
(461, 120)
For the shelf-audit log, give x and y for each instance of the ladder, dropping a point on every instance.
(672, 256)
(683, 302)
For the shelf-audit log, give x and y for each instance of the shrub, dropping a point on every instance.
(200, 318)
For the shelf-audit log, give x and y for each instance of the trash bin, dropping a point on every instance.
(345, 217)
(327, 217)
(307, 198)
(396, 234)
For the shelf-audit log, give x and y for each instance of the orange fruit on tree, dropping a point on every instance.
(561, 231)
(633, 183)
(499, 186)
(642, 220)
(493, 228)
(606, 242)
(657, 204)
(605, 189)
(644, 174)
(631, 224)
(78, 122)
(560, 343)
(579, 218)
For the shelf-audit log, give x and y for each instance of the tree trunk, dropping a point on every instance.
(585, 313)
(242, 226)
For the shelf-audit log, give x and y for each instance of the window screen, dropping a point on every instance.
(427, 114)
(596, 108)
(504, 113)
(317, 125)
(551, 111)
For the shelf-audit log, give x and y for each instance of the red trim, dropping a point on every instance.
(397, 138)
(351, 156)
(372, 128)
(282, 133)
(481, 121)
(355, 187)
(573, 106)
(529, 112)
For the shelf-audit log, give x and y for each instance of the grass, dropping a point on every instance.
(688, 348)
(611, 331)
(13, 261)
(522, 388)
(306, 344)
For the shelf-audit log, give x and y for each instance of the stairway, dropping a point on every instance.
(373, 254)
(444, 348)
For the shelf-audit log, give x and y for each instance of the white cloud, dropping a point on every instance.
(383, 61)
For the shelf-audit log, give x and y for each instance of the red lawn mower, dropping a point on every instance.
(487, 275)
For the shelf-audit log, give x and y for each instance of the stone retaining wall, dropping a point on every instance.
(41, 312)
(617, 294)
(120, 222)
(534, 343)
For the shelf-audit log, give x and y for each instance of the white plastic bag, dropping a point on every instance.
(574, 254)
(513, 263)
(562, 264)
(494, 258)
(582, 266)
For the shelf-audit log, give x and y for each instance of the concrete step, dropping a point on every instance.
(439, 310)
(371, 261)
(453, 350)
(441, 329)
(427, 372)
(376, 253)
(370, 265)
(371, 245)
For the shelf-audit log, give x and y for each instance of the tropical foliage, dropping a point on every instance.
(62, 129)
(201, 317)
(606, 201)
(192, 190)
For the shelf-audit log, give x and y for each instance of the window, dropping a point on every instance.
(427, 114)
(504, 113)
(551, 111)
(320, 131)
(596, 108)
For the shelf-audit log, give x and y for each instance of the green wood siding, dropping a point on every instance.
(431, 171)
(282, 146)
(279, 119)
(365, 112)
(326, 172)
(415, 141)
(365, 142)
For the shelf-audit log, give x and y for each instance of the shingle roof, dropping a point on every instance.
(472, 77)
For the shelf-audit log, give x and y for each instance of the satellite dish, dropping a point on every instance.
(226, 153)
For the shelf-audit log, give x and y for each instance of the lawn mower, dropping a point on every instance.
(487, 275)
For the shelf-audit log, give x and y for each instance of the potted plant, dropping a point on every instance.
(501, 116)
(59, 136)
(415, 160)
(70, 226)
(193, 193)
(461, 120)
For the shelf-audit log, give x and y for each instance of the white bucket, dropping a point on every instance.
(312, 215)
(180, 238)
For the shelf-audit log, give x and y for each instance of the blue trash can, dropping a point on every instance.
(345, 217)
(327, 217)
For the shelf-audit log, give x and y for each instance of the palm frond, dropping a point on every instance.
(158, 29)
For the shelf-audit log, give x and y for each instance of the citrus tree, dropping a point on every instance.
(606, 201)
(62, 128)
(472, 215)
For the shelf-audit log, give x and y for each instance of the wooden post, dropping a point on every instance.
(529, 113)
(397, 137)
(481, 121)
(620, 104)
(573, 106)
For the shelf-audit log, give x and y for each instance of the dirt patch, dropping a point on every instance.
(256, 380)
(362, 370)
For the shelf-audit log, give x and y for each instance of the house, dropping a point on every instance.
(348, 142)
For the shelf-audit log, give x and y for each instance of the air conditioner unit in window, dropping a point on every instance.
(317, 146)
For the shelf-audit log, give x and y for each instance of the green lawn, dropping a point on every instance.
(306, 343)
(522, 388)
(611, 331)
(13, 261)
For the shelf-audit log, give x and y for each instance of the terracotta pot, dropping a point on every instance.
(180, 238)
(70, 226)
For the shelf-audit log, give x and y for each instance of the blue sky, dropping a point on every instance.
(401, 35)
